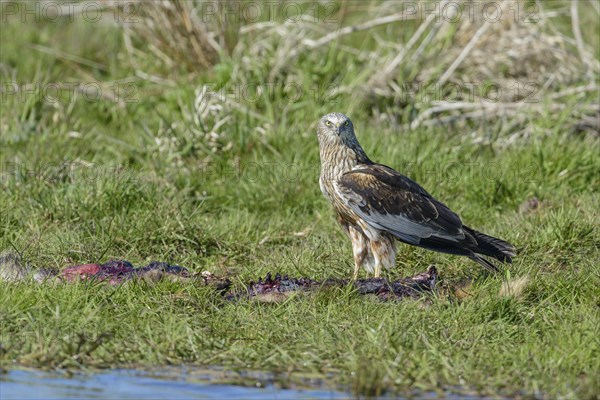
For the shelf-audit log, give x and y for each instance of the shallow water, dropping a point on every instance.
(184, 382)
(132, 384)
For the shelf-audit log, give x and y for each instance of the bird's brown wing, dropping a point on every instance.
(392, 202)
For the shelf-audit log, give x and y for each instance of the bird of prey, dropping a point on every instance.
(377, 206)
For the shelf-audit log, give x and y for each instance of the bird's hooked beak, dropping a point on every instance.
(338, 128)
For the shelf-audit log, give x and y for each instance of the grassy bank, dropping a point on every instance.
(151, 167)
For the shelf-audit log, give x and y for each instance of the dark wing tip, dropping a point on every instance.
(485, 263)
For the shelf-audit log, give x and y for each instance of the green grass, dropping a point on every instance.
(138, 182)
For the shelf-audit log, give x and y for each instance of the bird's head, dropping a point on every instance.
(336, 127)
(335, 131)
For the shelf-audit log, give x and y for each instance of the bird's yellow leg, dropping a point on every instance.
(359, 248)
(384, 254)
(377, 270)
(377, 258)
(356, 269)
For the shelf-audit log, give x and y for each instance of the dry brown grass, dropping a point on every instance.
(174, 35)
(448, 70)
(527, 64)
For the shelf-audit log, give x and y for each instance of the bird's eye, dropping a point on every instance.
(347, 123)
(328, 123)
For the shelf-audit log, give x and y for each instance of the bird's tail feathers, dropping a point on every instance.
(491, 246)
